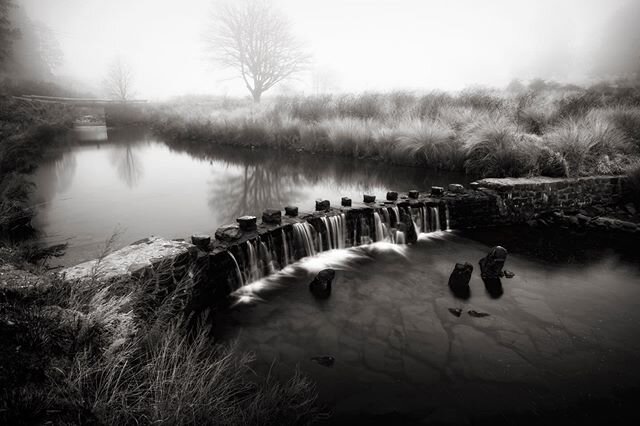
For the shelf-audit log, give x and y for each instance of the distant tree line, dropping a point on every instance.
(29, 50)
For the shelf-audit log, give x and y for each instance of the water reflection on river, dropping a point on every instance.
(136, 183)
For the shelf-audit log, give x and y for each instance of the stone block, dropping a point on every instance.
(413, 194)
(272, 216)
(228, 233)
(456, 188)
(201, 241)
(291, 211)
(134, 260)
(392, 196)
(323, 205)
(369, 198)
(437, 191)
(247, 223)
(345, 202)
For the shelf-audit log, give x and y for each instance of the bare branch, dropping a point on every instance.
(118, 82)
(253, 38)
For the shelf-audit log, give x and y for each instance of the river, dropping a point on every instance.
(129, 182)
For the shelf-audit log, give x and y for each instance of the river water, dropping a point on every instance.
(130, 182)
(560, 336)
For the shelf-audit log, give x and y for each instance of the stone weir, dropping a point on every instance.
(253, 248)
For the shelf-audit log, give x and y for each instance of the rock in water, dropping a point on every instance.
(477, 314)
(320, 287)
(326, 361)
(509, 274)
(455, 311)
(459, 280)
(493, 287)
(491, 265)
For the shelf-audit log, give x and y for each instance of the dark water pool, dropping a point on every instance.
(565, 328)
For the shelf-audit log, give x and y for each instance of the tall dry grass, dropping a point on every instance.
(185, 379)
(589, 144)
(551, 130)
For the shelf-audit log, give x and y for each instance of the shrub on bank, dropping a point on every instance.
(497, 149)
(627, 120)
(586, 142)
(430, 144)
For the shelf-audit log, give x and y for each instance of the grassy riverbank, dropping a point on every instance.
(552, 131)
(121, 353)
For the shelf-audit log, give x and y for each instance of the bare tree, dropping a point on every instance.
(253, 38)
(118, 82)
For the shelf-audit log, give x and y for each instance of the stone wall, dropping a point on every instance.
(495, 202)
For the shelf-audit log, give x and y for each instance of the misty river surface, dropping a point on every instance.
(127, 180)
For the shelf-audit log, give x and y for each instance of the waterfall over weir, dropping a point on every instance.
(335, 230)
(430, 219)
(303, 233)
(267, 253)
(384, 229)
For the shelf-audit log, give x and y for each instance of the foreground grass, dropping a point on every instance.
(123, 353)
(555, 131)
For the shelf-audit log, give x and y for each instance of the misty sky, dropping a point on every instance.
(356, 44)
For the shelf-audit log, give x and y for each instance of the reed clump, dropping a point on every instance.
(550, 129)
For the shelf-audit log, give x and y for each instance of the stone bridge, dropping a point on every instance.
(115, 112)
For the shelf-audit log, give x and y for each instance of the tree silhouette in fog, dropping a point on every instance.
(119, 80)
(254, 39)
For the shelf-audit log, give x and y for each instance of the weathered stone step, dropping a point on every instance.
(146, 255)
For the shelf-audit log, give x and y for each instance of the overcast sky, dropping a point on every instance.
(362, 44)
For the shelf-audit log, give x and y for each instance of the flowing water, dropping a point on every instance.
(129, 181)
